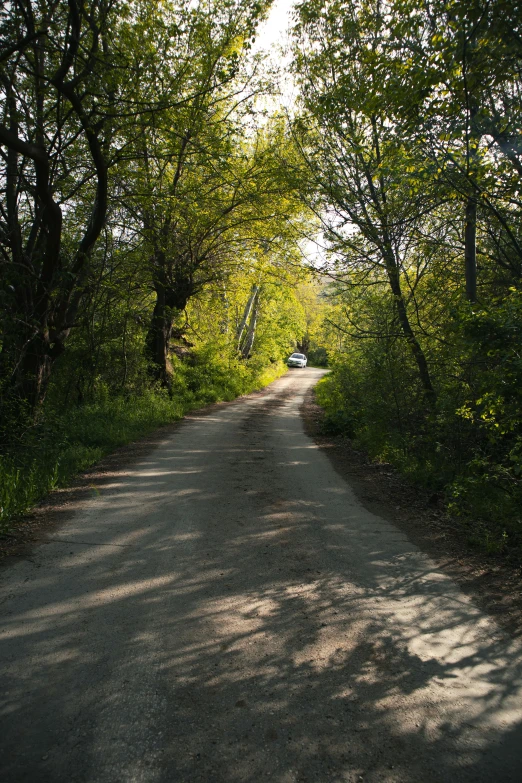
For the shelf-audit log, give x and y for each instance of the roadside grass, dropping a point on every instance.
(482, 497)
(65, 444)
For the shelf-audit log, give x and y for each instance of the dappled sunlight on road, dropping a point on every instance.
(201, 620)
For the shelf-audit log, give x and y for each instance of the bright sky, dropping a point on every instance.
(273, 32)
(272, 38)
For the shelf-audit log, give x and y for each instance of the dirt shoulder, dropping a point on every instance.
(491, 581)
(34, 527)
(58, 506)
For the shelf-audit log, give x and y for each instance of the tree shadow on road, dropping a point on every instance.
(264, 633)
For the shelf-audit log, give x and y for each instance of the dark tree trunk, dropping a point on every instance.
(35, 372)
(304, 345)
(409, 334)
(158, 340)
(173, 291)
(392, 270)
(470, 249)
(28, 355)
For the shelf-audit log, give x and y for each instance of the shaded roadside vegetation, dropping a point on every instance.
(411, 132)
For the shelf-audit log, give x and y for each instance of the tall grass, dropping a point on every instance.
(66, 444)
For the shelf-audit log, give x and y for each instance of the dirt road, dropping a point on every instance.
(226, 610)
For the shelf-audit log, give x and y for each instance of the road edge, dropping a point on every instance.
(492, 583)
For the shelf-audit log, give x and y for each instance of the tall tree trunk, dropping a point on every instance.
(303, 346)
(249, 341)
(392, 269)
(471, 79)
(173, 289)
(470, 249)
(28, 354)
(409, 334)
(158, 340)
(246, 315)
(225, 321)
(35, 372)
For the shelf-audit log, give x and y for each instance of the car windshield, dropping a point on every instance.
(297, 356)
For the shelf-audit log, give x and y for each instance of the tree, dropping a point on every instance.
(454, 75)
(354, 153)
(77, 83)
(411, 133)
(204, 197)
(179, 187)
(57, 81)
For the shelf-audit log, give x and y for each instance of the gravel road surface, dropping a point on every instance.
(226, 610)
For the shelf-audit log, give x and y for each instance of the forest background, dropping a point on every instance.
(159, 196)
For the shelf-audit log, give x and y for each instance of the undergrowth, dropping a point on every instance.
(48, 454)
(475, 474)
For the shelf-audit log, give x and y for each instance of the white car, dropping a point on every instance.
(297, 360)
